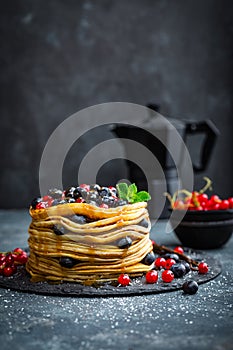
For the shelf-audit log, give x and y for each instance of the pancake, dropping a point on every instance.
(89, 243)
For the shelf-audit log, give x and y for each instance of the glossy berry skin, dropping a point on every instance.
(152, 276)
(167, 276)
(67, 262)
(58, 230)
(203, 268)
(160, 263)
(224, 204)
(190, 287)
(2, 259)
(203, 198)
(174, 257)
(230, 200)
(104, 205)
(79, 219)
(35, 201)
(124, 279)
(85, 187)
(214, 199)
(186, 265)
(22, 258)
(215, 206)
(149, 259)
(41, 205)
(124, 242)
(9, 271)
(18, 250)
(169, 263)
(9, 260)
(55, 193)
(144, 223)
(179, 249)
(179, 270)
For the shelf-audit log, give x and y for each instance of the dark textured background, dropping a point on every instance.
(58, 57)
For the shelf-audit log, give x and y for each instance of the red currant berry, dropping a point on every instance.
(41, 205)
(203, 268)
(199, 208)
(152, 276)
(160, 262)
(79, 200)
(9, 259)
(215, 199)
(224, 204)
(2, 258)
(215, 206)
(2, 265)
(230, 200)
(124, 279)
(8, 271)
(22, 258)
(203, 198)
(85, 186)
(104, 205)
(179, 249)
(169, 263)
(18, 250)
(167, 276)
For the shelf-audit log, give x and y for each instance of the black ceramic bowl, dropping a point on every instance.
(203, 229)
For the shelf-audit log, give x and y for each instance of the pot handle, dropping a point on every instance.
(211, 132)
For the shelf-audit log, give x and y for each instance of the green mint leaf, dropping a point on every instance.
(122, 189)
(142, 196)
(131, 194)
(132, 191)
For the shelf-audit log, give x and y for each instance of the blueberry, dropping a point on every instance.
(55, 193)
(108, 200)
(178, 270)
(59, 230)
(58, 201)
(144, 223)
(104, 191)
(149, 259)
(92, 196)
(190, 287)
(175, 257)
(35, 201)
(186, 265)
(95, 187)
(171, 256)
(67, 262)
(70, 200)
(125, 242)
(79, 219)
(69, 192)
(120, 202)
(77, 193)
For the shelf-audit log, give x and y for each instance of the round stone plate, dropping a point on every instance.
(21, 282)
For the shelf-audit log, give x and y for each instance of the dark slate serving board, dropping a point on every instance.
(21, 282)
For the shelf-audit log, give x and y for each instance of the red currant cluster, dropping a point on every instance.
(199, 200)
(10, 260)
(169, 267)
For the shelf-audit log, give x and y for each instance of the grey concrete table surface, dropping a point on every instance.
(169, 320)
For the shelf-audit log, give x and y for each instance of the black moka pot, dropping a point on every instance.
(143, 133)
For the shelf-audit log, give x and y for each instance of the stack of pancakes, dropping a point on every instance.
(110, 242)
